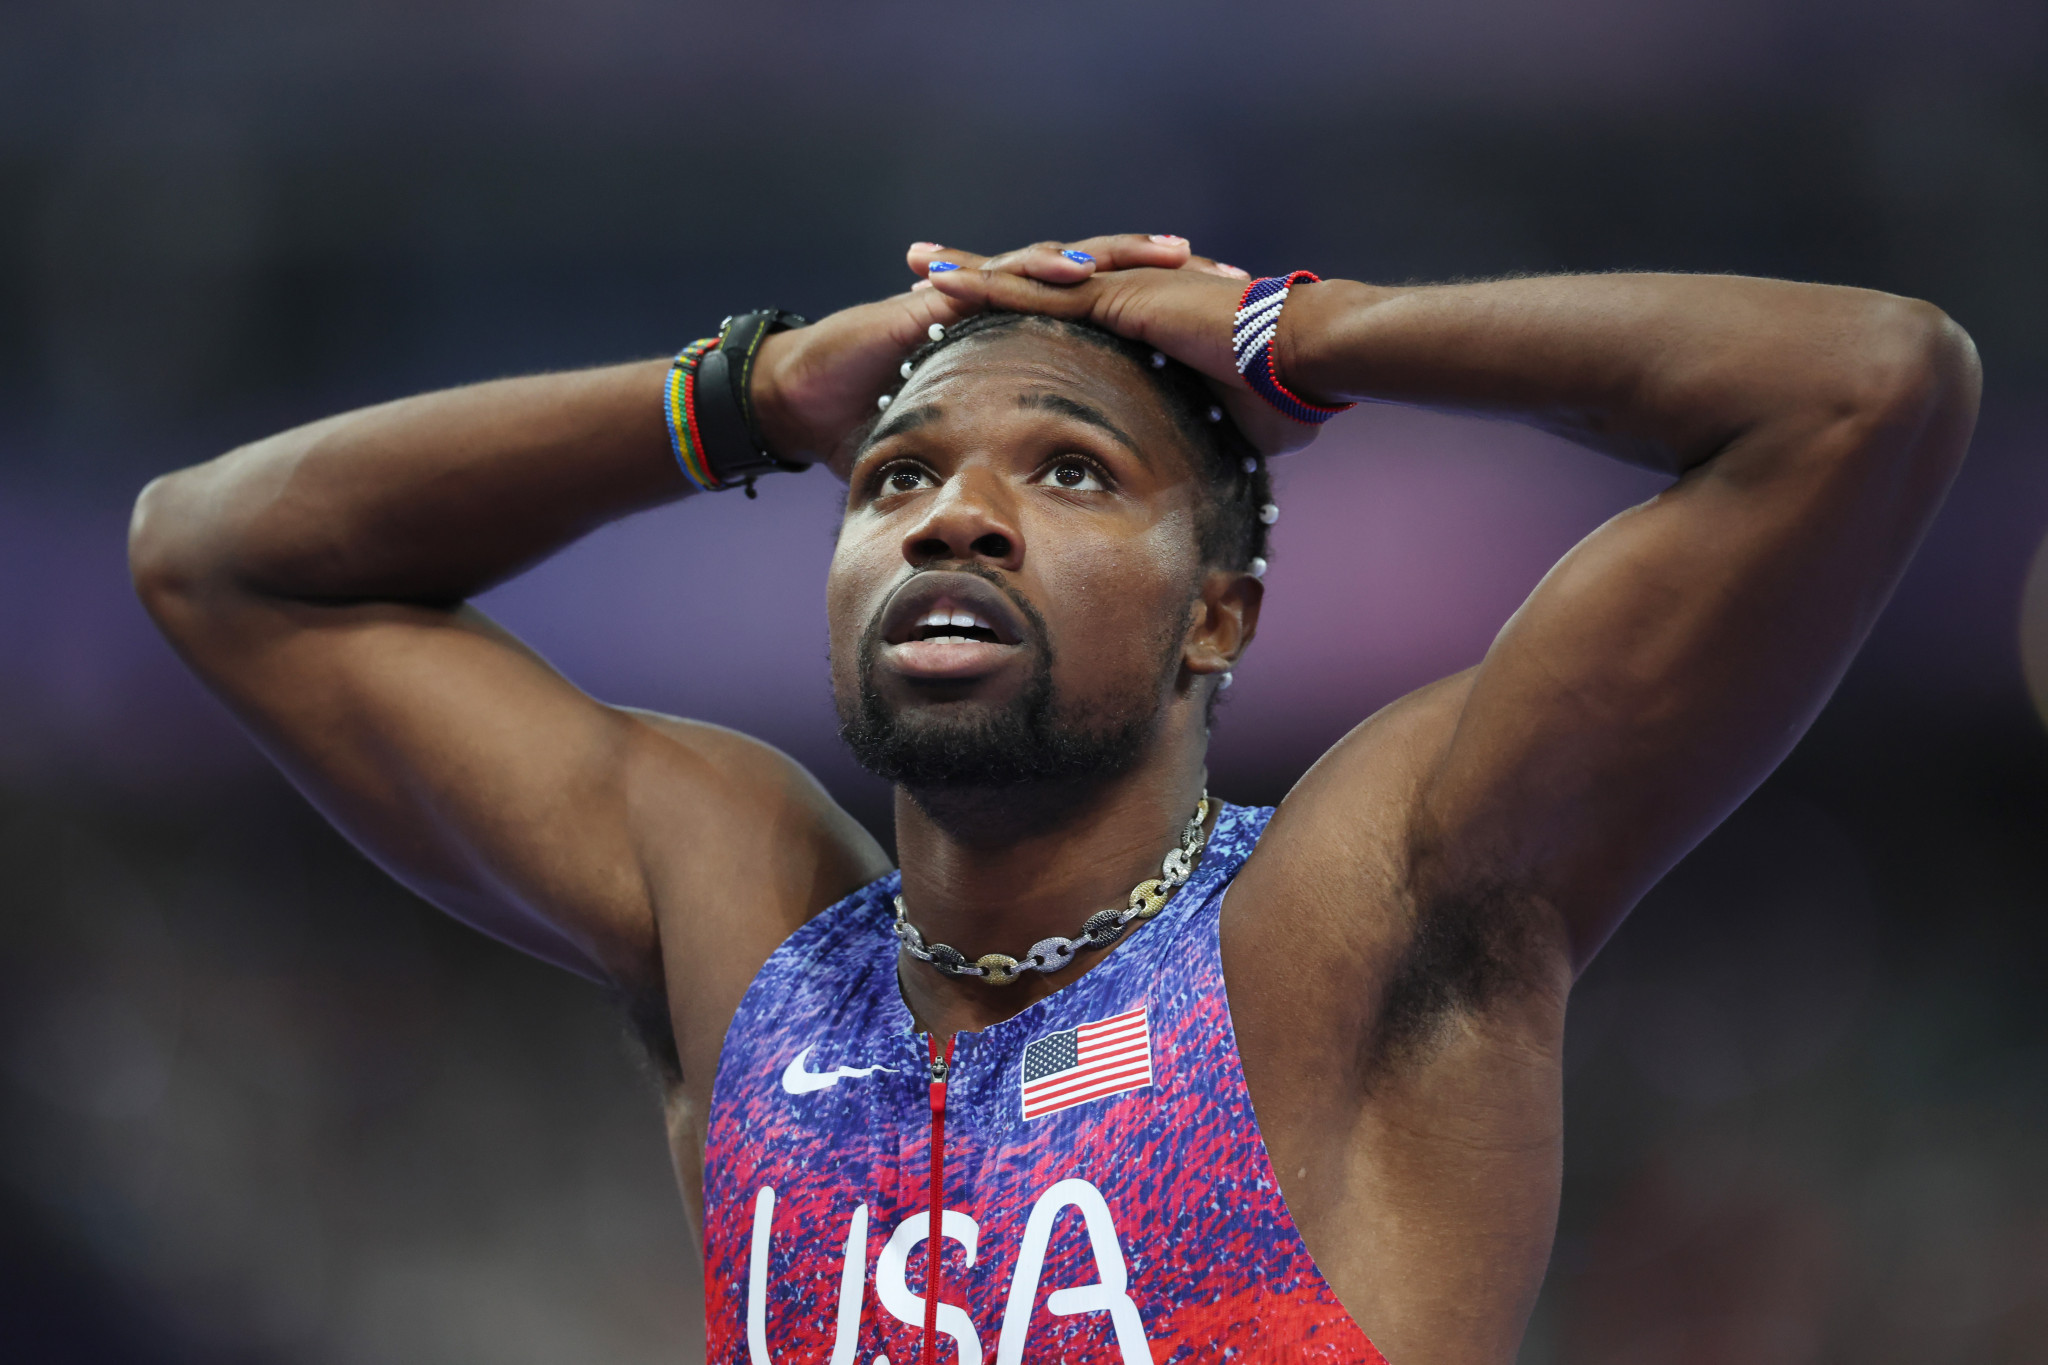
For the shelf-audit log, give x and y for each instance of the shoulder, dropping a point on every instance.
(739, 816)
(740, 846)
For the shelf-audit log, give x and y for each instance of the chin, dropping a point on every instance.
(980, 745)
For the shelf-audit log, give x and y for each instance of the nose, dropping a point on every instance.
(970, 520)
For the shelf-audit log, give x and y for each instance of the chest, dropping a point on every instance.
(1095, 1178)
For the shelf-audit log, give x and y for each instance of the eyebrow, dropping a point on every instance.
(896, 423)
(1081, 412)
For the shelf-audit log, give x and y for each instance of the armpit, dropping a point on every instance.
(1474, 947)
(647, 1019)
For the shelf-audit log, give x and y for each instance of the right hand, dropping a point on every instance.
(814, 386)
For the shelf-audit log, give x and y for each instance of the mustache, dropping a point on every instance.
(1034, 623)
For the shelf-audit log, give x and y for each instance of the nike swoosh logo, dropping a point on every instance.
(798, 1081)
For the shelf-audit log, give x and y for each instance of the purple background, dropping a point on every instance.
(257, 1105)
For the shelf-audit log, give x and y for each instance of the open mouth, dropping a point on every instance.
(955, 628)
(948, 626)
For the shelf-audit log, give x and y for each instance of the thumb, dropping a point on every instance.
(925, 305)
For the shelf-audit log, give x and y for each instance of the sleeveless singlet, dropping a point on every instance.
(1105, 1193)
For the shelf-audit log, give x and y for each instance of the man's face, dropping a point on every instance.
(1016, 568)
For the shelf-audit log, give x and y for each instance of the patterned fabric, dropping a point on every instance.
(1145, 1225)
(1251, 346)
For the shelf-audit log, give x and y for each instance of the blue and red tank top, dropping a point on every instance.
(1102, 1191)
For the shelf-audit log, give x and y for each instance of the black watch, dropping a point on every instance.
(734, 450)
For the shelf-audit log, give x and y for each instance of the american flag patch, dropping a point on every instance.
(1087, 1063)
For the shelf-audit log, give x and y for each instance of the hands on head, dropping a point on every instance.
(817, 385)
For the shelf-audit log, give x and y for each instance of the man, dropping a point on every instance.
(1048, 565)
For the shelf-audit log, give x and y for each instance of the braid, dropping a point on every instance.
(1235, 482)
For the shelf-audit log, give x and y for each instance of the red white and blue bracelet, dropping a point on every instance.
(1251, 345)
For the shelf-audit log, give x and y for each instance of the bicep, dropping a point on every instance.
(1671, 660)
(454, 757)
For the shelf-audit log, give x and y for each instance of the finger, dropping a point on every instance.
(1120, 251)
(896, 326)
(1062, 262)
(1124, 250)
(940, 261)
(1209, 267)
(1052, 262)
(1071, 262)
(926, 304)
(922, 254)
(976, 290)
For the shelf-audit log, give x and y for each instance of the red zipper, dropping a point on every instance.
(942, 1063)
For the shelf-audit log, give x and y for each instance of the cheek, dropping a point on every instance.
(1118, 601)
(854, 591)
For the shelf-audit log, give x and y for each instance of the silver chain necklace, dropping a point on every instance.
(1101, 929)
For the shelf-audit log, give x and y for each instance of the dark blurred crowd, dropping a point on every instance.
(258, 1105)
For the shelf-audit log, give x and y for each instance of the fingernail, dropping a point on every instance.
(1083, 257)
(921, 284)
(1167, 239)
(926, 246)
(941, 267)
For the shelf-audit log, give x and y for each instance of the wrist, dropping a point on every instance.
(714, 424)
(1310, 350)
(782, 428)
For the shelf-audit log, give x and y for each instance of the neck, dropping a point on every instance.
(996, 871)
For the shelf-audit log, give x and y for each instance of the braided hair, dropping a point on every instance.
(1231, 532)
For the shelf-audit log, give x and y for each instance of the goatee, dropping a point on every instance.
(1032, 740)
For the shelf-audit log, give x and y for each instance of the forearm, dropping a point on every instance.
(428, 499)
(1665, 371)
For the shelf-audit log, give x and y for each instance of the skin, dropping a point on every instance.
(1410, 926)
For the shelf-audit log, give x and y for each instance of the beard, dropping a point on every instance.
(1032, 740)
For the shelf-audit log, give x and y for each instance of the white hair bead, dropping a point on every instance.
(904, 369)
(1258, 566)
(1223, 683)
(883, 401)
(937, 331)
(1159, 360)
(1215, 413)
(1270, 513)
(1251, 464)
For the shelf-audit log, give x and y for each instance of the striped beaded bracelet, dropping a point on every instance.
(709, 404)
(680, 408)
(1251, 345)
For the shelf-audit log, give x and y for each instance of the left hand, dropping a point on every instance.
(1185, 311)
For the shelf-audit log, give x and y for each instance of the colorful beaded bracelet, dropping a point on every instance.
(1251, 345)
(680, 408)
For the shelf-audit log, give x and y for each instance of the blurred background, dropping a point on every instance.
(259, 1106)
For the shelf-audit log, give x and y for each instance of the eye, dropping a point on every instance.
(902, 478)
(1076, 475)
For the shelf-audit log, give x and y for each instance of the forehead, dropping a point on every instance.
(1023, 369)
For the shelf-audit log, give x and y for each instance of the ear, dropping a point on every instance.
(1222, 622)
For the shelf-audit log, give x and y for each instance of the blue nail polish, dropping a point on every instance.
(1081, 256)
(941, 267)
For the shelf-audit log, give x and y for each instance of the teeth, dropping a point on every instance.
(962, 620)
